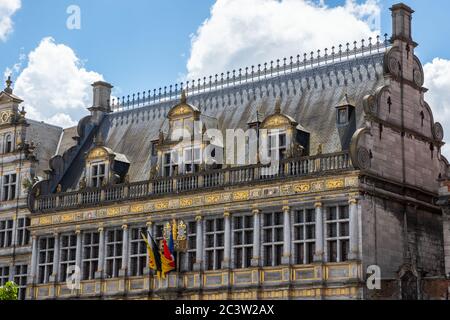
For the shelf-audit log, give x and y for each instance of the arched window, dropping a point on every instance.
(8, 144)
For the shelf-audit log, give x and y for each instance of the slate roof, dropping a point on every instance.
(309, 96)
(46, 139)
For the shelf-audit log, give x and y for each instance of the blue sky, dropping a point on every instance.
(140, 45)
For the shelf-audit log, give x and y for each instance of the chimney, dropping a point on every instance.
(401, 23)
(102, 96)
(101, 105)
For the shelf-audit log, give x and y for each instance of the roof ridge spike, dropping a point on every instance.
(259, 72)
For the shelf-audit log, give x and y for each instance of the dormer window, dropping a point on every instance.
(170, 164)
(98, 175)
(104, 166)
(277, 145)
(342, 116)
(192, 160)
(344, 111)
(286, 138)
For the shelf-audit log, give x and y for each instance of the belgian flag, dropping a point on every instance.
(153, 254)
(167, 260)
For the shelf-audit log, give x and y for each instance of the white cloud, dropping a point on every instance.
(55, 85)
(7, 10)
(437, 80)
(241, 33)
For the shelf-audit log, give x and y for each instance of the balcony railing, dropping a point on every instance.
(289, 168)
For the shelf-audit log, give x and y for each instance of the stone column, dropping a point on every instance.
(123, 272)
(319, 254)
(226, 263)
(55, 273)
(34, 255)
(256, 261)
(14, 233)
(79, 249)
(353, 230)
(286, 260)
(199, 255)
(147, 261)
(101, 253)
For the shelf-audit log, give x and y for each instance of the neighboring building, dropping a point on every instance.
(356, 185)
(444, 201)
(26, 146)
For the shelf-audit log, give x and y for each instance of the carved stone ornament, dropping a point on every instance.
(363, 158)
(418, 78)
(370, 104)
(418, 73)
(83, 183)
(154, 172)
(438, 132)
(392, 62)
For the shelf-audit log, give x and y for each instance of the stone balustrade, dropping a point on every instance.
(300, 167)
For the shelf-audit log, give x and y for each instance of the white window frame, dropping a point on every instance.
(242, 240)
(4, 275)
(274, 136)
(302, 226)
(6, 233)
(113, 253)
(169, 165)
(191, 252)
(138, 251)
(91, 254)
(341, 240)
(193, 160)
(9, 187)
(45, 266)
(216, 249)
(270, 240)
(98, 177)
(23, 234)
(67, 254)
(20, 278)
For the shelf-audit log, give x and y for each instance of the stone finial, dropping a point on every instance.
(278, 106)
(183, 97)
(8, 82)
(98, 140)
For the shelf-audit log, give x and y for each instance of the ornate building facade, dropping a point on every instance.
(355, 185)
(26, 146)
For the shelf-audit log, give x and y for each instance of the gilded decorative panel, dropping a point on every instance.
(187, 202)
(212, 199)
(317, 186)
(335, 184)
(162, 205)
(137, 208)
(111, 212)
(241, 195)
(67, 218)
(301, 187)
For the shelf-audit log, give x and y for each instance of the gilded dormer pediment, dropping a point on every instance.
(183, 109)
(278, 120)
